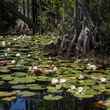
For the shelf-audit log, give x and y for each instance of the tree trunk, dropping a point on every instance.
(82, 40)
(10, 8)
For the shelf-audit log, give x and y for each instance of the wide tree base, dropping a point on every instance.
(72, 45)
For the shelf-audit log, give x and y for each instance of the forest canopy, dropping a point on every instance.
(58, 16)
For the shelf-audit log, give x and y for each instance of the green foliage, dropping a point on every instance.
(55, 15)
(52, 97)
(71, 79)
(58, 17)
(7, 19)
(101, 17)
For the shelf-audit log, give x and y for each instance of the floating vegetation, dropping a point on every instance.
(70, 76)
(43, 79)
(56, 89)
(19, 68)
(7, 94)
(4, 70)
(87, 82)
(20, 74)
(19, 87)
(26, 94)
(6, 77)
(23, 80)
(35, 87)
(9, 99)
(1, 83)
(100, 88)
(52, 97)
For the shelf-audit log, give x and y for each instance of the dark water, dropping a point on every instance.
(36, 103)
(21, 103)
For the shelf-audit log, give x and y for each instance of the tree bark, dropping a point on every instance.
(10, 8)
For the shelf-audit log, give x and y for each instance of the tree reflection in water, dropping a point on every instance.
(18, 104)
(24, 103)
(37, 103)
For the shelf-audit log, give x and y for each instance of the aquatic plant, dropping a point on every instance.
(7, 94)
(70, 76)
(26, 94)
(52, 97)
(23, 80)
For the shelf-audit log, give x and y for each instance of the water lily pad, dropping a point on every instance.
(7, 94)
(26, 93)
(43, 79)
(51, 89)
(69, 71)
(24, 50)
(1, 83)
(22, 80)
(20, 74)
(108, 108)
(86, 93)
(100, 87)
(7, 78)
(36, 87)
(52, 97)
(19, 87)
(18, 69)
(4, 70)
(107, 91)
(9, 98)
(85, 96)
(66, 85)
(11, 66)
(87, 82)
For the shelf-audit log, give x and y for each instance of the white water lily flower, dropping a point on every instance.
(62, 80)
(13, 61)
(6, 54)
(22, 60)
(28, 55)
(55, 68)
(9, 43)
(18, 65)
(103, 79)
(1, 37)
(34, 68)
(77, 61)
(20, 37)
(18, 55)
(86, 59)
(80, 89)
(54, 81)
(81, 76)
(18, 91)
(8, 49)
(15, 39)
(27, 37)
(91, 66)
(3, 43)
(72, 87)
(24, 36)
(49, 71)
(30, 68)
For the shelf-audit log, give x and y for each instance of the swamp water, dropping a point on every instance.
(70, 87)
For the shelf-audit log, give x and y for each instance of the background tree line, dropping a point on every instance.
(57, 16)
